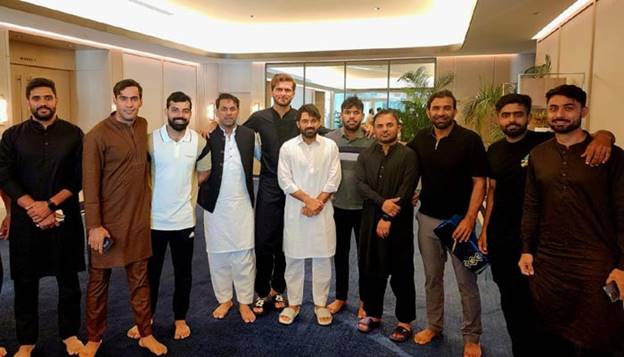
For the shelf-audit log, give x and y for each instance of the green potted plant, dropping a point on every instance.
(480, 112)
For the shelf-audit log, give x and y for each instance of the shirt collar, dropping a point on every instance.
(455, 125)
(164, 135)
(359, 134)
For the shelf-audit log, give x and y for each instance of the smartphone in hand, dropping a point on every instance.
(612, 291)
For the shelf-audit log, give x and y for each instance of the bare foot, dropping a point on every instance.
(222, 310)
(24, 351)
(182, 330)
(3, 352)
(90, 349)
(425, 336)
(336, 306)
(73, 345)
(150, 343)
(472, 349)
(133, 333)
(246, 313)
(361, 313)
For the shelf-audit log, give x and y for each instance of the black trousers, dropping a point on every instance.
(26, 305)
(181, 243)
(347, 220)
(269, 230)
(548, 345)
(516, 301)
(402, 284)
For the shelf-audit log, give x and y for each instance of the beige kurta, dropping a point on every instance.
(116, 191)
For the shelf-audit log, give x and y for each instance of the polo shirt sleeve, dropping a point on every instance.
(478, 158)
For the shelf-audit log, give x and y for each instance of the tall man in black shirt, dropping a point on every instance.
(275, 125)
(500, 236)
(40, 170)
(453, 167)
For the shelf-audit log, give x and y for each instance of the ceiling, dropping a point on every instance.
(496, 26)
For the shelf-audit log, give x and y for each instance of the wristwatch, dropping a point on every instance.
(51, 205)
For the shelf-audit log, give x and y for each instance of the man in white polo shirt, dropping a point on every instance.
(176, 165)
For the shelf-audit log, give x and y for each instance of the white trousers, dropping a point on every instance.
(295, 277)
(238, 268)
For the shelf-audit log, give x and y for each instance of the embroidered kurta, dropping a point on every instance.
(116, 190)
(573, 224)
(312, 168)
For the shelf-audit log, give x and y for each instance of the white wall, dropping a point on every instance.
(92, 103)
(570, 48)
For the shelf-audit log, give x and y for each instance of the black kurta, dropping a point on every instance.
(41, 162)
(573, 224)
(381, 177)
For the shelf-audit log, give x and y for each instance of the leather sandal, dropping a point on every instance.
(400, 334)
(368, 324)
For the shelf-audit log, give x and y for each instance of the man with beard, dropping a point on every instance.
(387, 173)
(117, 214)
(227, 198)
(500, 236)
(176, 161)
(40, 170)
(308, 172)
(453, 166)
(347, 202)
(573, 236)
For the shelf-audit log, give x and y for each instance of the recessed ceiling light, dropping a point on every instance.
(376, 8)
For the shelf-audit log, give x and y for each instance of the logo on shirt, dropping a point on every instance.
(525, 161)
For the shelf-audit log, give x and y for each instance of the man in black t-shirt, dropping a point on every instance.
(500, 237)
(453, 168)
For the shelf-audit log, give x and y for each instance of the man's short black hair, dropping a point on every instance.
(387, 112)
(125, 83)
(179, 97)
(444, 93)
(568, 90)
(227, 96)
(40, 82)
(352, 102)
(309, 109)
(514, 98)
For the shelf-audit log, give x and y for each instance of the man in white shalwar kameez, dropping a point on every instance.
(308, 172)
(227, 199)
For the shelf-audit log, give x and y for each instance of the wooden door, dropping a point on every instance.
(20, 75)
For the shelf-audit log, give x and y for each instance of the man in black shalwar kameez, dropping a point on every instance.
(40, 170)
(573, 236)
(387, 173)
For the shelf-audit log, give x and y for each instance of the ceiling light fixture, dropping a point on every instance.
(566, 15)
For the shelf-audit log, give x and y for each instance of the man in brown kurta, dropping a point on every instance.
(573, 236)
(117, 207)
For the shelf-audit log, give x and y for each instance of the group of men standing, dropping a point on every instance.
(316, 187)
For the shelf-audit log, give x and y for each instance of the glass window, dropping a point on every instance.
(324, 87)
(426, 70)
(369, 81)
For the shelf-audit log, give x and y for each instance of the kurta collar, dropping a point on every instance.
(164, 135)
(38, 126)
(233, 130)
(119, 124)
(379, 148)
(299, 139)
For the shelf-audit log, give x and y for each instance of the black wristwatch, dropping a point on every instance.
(52, 206)
(386, 217)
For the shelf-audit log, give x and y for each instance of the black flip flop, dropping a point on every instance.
(400, 334)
